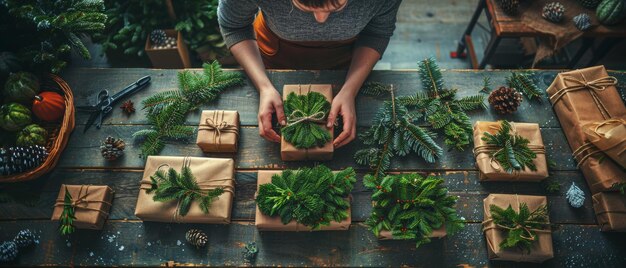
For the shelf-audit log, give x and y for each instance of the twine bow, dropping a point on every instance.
(595, 86)
(588, 149)
(211, 124)
(298, 116)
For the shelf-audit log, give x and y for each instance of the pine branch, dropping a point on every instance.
(430, 75)
(375, 89)
(524, 83)
(513, 153)
(520, 226)
(306, 118)
(67, 217)
(486, 89)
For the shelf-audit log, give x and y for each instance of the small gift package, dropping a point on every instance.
(208, 173)
(540, 247)
(610, 211)
(91, 205)
(438, 233)
(218, 131)
(306, 123)
(581, 97)
(492, 170)
(267, 223)
(610, 137)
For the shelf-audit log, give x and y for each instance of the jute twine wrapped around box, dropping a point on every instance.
(610, 137)
(218, 131)
(91, 205)
(610, 211)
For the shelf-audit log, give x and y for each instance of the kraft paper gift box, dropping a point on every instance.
(91, 203)
(218, 131)
(210, 173)
(610, 211)
(610, 137)
(438, 233)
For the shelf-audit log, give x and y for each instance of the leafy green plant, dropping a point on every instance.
(411, 206)
(519, 226)
(523, 81)
(510, 150)
(167, 111)
(67, 215)
(311, 196)
(182, 187)
(306, 118)
(197, 20)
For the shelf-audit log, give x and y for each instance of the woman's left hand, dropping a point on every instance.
(343, 104)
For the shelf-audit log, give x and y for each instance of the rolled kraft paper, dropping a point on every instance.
(577, 105)
(490, 170)
(218, 131)
(209, 172)
(540, 251)
(267, 223)
(289, 152)
(610, 211)
(438, 233)
(92, 205)
(610, 137)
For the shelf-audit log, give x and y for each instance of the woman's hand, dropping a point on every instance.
(270, 102)
(343, 104)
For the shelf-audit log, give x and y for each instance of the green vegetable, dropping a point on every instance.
(14, 116)
(611, 12)
(21, 87)
(32, 135)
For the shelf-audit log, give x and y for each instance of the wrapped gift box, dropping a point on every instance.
(91, 205)
(610, 211)
(610, 137)
(218, 131)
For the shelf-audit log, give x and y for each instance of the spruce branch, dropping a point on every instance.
(523, 82)
(512, 151)
(67, 217)
(520, 226)
(375, 89)
(304, 114)
(486, 89)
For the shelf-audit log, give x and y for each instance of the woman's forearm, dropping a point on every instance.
(363, 60)
(247, 54)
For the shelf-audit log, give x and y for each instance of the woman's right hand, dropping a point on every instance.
(270, 102)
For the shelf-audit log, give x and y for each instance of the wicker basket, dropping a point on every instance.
(56, 145)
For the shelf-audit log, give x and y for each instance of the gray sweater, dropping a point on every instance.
(372, 20)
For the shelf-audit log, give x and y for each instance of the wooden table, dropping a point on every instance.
(505, 26)
(127, 241)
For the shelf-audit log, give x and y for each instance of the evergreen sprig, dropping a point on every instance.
(519, 226)
(182, 187)
(167, 111)
(486, 88)
(303, 133)
(411, 206)
(524, 82)
(440, 108)
(512, 151)
(67, 217)
(312, 197)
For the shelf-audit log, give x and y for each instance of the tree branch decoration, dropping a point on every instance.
(521, 227)
(167, 111)
(183, 188)
(523, 82)
(67, 217)
(393, 134)
(305, 113)
(440, 108)
(411, 206)
(312, 197)
(510, 150)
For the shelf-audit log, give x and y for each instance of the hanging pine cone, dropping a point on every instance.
(128, 107)
(16, 160)
(553, 12)
(112, 148)
(8, 251)
(582, 21)
(575, 196)
(24, 238)
(510, 7)
(158, 37)
(590, 4)
(505, 100)
(196, 238)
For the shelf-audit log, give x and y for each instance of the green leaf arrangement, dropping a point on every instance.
(411, 206)
(306, 119)
(182, 187)
(441, 109)
(520, 226)
(313, 197)
(67, 217)
(512, 151)
(523, 81)
(167, 111)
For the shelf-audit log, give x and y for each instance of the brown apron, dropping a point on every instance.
(278, 53)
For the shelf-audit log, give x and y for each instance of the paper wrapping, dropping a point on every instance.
(610, 137)
(540, 251)
(92, 205)
(610, 211)
(267, 223)
(491, 170)
(579, 98)
(438, 233)
(209, 172)
(218, 131)
(289, 152)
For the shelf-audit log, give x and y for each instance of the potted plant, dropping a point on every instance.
(167, 49)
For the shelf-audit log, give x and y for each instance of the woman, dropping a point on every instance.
(307, 34)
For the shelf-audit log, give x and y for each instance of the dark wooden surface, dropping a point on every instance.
(126, 241)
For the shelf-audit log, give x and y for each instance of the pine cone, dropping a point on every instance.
(16, 160)
(196, 238)
(158, 37)
(509, 7)
(128, 107)
(24, 238)
(553, 12)
(8, 251)
(582, 21)
(505, 100)
(575, 196)
(112, 148)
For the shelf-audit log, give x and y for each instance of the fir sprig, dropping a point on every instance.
(67, 217)
(312, 197)
(524, 82)
(182, 187)
(411, 206)
(306, 118)
(167, 111)
(512, 151)
(486, 85)
(519, 226)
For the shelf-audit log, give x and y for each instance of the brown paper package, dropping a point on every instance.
(210, 140)
(610, 211)
(210, 172)
(577, 108)
(439, 233)
(490, 171)
(290, 153)
(91, 210)
(540, 251)
(267, 223)
(610, 137)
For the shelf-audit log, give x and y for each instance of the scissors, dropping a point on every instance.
(104, 102)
